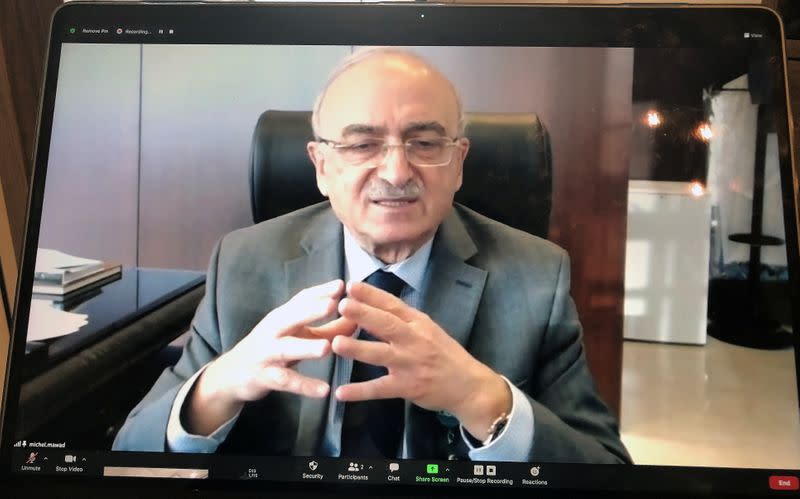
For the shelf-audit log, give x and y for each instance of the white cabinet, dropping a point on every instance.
(666, 262)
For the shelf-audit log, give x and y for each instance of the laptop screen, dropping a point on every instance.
(410, 246)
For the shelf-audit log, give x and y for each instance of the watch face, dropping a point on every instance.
(496, 429)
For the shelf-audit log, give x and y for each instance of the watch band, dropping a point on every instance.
(496, 428)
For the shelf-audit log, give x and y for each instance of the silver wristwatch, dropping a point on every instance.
(496, 428)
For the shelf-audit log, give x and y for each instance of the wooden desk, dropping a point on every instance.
(113, 307)
(92, 377)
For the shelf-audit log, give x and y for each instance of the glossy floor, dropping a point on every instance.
(714, 405)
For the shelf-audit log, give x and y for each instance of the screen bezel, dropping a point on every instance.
(393, 24)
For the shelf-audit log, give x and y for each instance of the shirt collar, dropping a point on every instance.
(360, 264)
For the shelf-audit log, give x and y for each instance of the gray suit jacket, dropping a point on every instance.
(502, 293)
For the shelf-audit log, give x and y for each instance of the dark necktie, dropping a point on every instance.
(373, 428)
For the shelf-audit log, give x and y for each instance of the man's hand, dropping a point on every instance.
(262, 361)
(426, 366)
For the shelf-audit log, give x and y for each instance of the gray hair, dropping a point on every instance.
(362, 54)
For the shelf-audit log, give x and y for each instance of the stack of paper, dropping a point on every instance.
(46, 322)
(58, 273)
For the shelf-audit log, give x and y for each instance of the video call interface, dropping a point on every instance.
(598, 293)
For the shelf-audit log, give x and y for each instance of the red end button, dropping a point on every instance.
(784, 483)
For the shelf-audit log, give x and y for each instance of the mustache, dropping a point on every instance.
(383, 190)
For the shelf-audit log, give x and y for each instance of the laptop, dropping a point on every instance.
(408, 249)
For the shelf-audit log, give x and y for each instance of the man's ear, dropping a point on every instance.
(316, 156)
(461, 153)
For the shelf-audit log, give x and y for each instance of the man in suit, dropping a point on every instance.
(454, 337)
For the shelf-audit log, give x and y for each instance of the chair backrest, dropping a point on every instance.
(507, 173)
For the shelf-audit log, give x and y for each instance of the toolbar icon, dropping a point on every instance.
(432, 469)
(313, 465)
(32, 458)
(477, 470)
(491, 470)
(394, 467)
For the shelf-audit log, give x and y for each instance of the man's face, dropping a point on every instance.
(388, 202)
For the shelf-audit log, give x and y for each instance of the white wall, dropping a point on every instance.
(200, 104)
(90, 200)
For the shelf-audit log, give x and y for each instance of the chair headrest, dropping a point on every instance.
(507, 172)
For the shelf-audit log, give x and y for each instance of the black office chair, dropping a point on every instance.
(507, 173)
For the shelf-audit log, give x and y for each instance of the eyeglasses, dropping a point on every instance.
(422, 152)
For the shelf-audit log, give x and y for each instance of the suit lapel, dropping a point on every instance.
(451, 299)
(454, 287)
(322, 262)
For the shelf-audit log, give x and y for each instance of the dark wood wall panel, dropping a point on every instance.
(793, 69)
(24, 30)
(24, 27)
(11, 154)
(589, 215)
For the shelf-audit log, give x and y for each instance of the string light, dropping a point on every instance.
(704, 132)
(697, 189)
(653, 118)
